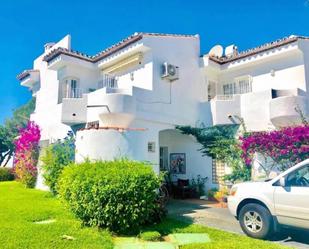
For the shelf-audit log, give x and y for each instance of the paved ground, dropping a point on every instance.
(205, 213)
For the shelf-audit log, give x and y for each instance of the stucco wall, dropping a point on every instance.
(110, 144)
(255, 110)
(288, 73)
(47, 112)
(196, 164)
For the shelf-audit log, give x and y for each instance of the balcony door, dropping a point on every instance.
(71, 88)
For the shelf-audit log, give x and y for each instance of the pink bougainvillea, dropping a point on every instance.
(26, 154)
(285, 147)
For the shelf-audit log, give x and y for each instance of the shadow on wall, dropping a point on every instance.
(205, 109)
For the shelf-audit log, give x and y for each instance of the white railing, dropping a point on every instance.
(224, 97)
(108, 81)
(74, 93)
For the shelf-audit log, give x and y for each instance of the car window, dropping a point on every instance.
(299, 177)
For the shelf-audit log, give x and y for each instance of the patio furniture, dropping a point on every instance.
(183, 189)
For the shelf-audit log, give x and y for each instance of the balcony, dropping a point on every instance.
(30, 79)
(116, 107)
(74, 107)
(74, 111)
(283, 112)
(74, 93)
(223, 107)
(108, 81)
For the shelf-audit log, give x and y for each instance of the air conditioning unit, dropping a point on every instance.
(170, 72)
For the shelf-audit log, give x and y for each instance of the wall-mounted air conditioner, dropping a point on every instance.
(170, 72)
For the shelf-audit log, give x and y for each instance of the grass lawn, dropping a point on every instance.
(219, 239)
(20, 208)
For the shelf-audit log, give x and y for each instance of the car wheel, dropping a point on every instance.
(256, 221)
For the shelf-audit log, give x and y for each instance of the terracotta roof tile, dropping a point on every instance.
(259, 49)
(112, 49)
(25, 73)
(58, 51)
(117, 128)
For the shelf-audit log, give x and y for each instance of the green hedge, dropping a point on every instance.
(150, 236)
(6, 174)
(119, 195)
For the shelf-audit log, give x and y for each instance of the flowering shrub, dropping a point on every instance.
(26, 154)
(285, 147)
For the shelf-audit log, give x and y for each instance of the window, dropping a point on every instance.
(229, 89)
(218, 171)
(163, 158)
(298, 178)
(244, 84)
(241, 85)
(69, 88)
(211, 89)
(109, 81)
(151, 147)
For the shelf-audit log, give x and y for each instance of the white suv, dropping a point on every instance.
(262, 207)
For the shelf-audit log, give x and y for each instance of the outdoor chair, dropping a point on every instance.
(183, 189)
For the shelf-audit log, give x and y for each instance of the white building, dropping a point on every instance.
(127, 99)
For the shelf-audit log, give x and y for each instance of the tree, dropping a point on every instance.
(214, 139)
(55, 157)
(219, 142)
(10, 130)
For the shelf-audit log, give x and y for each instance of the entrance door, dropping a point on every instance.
(164, 158)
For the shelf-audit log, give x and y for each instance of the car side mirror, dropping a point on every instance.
(282, 182)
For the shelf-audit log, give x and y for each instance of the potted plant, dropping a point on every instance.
(221, 196)
(211, 194)
(198, 185)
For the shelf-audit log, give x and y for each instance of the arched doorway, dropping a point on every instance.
(180, 156)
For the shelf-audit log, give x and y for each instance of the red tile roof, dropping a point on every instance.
(117, 128)
(105, 53)
(259, 49)
(25, 74)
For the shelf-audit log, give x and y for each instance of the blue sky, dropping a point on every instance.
(25, 26)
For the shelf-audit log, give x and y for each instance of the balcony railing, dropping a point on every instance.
(74, 93)
(108, 81)
(224, 97)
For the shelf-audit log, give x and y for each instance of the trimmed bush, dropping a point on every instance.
(6, 174)
(150, 236)
(120, 195)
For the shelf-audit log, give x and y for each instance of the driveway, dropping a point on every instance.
(208, 214)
